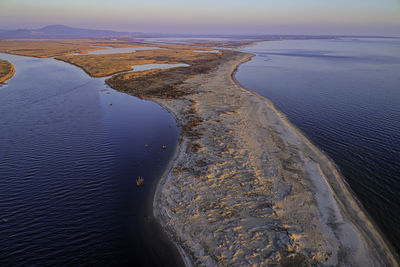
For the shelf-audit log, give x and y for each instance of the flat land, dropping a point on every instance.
(6, 70)
(165, 83)
(108, 64)
(75, 52)
(52, 48)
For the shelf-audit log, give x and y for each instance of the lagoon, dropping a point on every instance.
(68, 165)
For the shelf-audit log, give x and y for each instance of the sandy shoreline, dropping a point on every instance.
(246, 187)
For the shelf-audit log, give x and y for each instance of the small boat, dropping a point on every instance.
(139, 181)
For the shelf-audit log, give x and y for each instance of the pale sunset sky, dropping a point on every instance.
(362, 17)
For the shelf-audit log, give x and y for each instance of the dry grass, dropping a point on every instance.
(6, 70)
(166, 83)
(153, 83)
(52, 48)
(108, 64)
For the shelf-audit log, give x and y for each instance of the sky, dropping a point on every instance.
(358, 17)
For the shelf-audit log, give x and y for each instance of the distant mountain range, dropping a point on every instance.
(66, 32)
(62, 31)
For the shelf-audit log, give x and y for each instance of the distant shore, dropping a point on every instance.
(247, 187)
(7, 70)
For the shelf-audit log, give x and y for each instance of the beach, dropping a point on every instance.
(246, 187)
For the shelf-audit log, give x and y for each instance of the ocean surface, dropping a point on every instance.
(68, 165)
(345, 96)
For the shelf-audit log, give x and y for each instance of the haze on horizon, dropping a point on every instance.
(355, 17)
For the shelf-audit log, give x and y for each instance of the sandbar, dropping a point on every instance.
(248, 188)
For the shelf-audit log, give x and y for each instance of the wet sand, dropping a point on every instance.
(247, 188)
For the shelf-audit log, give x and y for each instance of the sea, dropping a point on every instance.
(344, 95)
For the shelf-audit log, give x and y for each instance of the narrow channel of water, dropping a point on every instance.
(68, 164)
(157, 66)
(117, 50)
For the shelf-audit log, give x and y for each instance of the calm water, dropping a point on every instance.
(111, 50)
(345, 95)
(206, 51)
(182, 40)
(68, 164)
(157, 66)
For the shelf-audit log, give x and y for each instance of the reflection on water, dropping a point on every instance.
(206, 51)
(157, 66)
(344, 94)
(118, 50)
(68, 164)
(184, 40)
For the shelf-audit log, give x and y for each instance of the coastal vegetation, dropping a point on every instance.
(109, 64)
(52, 48)
(6, 70)
(154, 82)
(164, 83)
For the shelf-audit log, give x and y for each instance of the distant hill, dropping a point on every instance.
(66, 32)
(61, 31)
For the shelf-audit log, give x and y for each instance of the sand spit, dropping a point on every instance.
(247, 188)
(7, 70)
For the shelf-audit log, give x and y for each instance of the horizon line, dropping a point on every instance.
(209, 34)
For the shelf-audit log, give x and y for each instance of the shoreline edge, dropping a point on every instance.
(362, 221)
